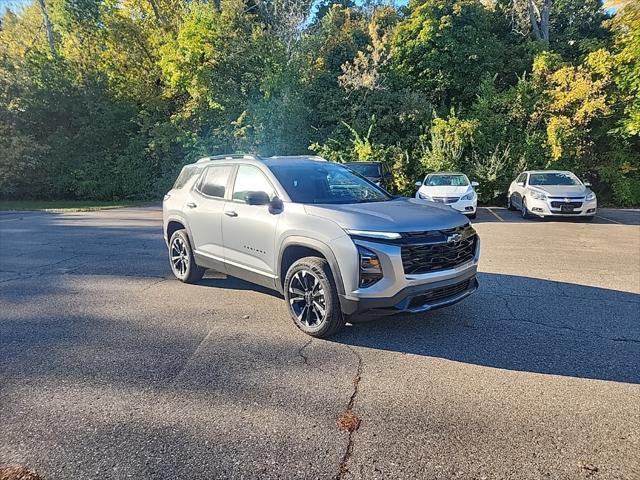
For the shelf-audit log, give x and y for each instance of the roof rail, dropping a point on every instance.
(230, 156)
(297, 157)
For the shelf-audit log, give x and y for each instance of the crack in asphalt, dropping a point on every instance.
(571, 297)
(42, 270)
(572, 329)
(305, 358)
(349, 411)
(154, 283)
(514, 318)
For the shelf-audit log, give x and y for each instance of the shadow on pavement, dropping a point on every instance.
(522, 324)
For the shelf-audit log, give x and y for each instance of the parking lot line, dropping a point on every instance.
(495, 214)
(608, 219)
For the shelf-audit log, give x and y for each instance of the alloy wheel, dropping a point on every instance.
(179, 257)
(307, 298)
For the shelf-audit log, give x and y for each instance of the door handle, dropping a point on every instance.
(230, 213)
(191, 205)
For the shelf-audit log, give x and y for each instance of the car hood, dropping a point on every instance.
(444, 191)
(561, 190)
(398, 215)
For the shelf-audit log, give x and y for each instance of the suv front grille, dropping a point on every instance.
(439, 294)
(442, 255)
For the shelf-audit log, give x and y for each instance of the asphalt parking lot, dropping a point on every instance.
(110, 368)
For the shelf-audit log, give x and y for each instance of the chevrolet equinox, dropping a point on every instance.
(333, 243)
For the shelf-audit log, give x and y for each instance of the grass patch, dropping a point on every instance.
(65, 205)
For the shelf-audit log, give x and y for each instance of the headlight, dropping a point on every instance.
(590, 197)
(423, 196)
(538, 195)
(469, 196)
(370, 234)
(369, 266)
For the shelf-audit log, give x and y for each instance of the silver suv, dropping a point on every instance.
(332, 242)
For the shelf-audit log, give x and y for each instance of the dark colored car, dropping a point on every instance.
(376, 172)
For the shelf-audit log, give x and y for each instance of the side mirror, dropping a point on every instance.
(475, 184)
(257, 198)
(418, 184)
(587, 184)
(276, 205)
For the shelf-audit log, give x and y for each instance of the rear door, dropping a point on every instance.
(204, 210)
(249, 230)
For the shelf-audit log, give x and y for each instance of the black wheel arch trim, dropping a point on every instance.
(323, 248)
(183, 221)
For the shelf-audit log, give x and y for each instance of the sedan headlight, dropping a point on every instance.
(590, 197)
(469, 196)
(422, 196)
(369, 266)
(536, 195)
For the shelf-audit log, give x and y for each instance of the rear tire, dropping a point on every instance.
(183, 264)
(509, 204)
(312, 297)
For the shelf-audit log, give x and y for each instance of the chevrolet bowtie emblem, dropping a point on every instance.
(455, 238)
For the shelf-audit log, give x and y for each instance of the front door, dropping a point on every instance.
(518, 190)
(249, 230)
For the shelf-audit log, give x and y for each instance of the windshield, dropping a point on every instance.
(365, 169)
(320, 182)
(556, 178)
(446, 181)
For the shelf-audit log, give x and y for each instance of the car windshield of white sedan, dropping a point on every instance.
(446, 181)
(555, 178)
(320, 182)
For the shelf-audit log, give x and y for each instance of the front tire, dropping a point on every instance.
(312, 297)
(525, 210)
(183, 263)
(473, 215)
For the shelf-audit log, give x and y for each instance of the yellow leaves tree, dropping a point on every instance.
(576, 96)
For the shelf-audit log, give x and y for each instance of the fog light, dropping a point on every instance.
(370, 268)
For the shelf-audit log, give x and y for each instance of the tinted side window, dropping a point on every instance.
(214, 182)
(186, 174)
(250, 179)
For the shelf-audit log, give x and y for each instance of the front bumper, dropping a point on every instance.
(416, 299)
(468, 207)
(401, 292)
(545, 208)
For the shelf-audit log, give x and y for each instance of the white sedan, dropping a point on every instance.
(451, 188)
(545, 193)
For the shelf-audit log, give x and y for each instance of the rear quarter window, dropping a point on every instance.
(187, 173)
